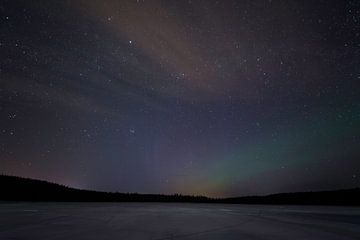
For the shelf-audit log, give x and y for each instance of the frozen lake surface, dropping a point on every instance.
(28, 221)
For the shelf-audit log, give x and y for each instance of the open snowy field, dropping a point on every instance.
(27, 221)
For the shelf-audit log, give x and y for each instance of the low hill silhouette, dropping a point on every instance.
(344, 197)
(23, 189)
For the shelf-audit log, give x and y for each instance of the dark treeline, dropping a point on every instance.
(346, 197)
(23, 189)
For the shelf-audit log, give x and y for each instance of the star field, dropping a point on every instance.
(217, 98)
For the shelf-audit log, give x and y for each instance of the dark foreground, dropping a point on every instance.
(175, 221)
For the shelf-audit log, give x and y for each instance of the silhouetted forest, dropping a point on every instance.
(23, 189)
(345, 197)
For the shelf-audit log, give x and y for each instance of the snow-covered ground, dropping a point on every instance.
(27, 221)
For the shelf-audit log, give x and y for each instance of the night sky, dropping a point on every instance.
(217, 98)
